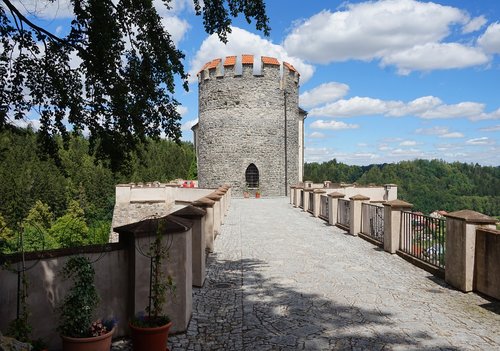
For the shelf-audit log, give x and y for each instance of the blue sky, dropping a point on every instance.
(383, 81)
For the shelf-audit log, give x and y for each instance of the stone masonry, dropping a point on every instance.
(246, 118)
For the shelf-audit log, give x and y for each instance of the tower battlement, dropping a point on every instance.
(248, 66)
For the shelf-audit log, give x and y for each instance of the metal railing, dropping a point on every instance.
(310, 207)
(373, 221)
(423, 237)
(344, 213)
(324, 211)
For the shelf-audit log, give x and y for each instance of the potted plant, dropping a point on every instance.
(79, 331)
(149, 330)
(257, 194)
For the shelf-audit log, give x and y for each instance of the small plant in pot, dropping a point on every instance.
(149, 330)
(79, 330)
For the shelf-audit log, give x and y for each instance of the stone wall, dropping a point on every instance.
(242, 121)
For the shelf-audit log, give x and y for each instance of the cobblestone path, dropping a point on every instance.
(280, 279)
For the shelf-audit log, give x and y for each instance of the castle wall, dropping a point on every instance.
(242, 121)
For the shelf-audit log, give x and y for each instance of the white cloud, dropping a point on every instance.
(491, 129)
(408, 143)
(490, 40)
(325, 92)
(176, 27)
(241, 42)
(332, 125)
(474, 24)
(186, 126)
(432, 131)
(462, 109)
(182, 110)
(484, 116)
(370, 29)
(480, 141)
(406, 152)
(317, 135)
(174, 7)
(427, 107)
(452, 135)
(356, 106)
(432, 56)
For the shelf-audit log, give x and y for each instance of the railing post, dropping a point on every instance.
(305, 194)
(355, 213)
(293, 195)
(196, 216)
(392, 223)
(217, 211)
(208, 206)
(317, 201)
(333, 206)
(461, 245)
(296, 199)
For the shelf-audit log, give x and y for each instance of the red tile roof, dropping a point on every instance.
(209, 65)
(290, 67)
(247, 59)
(270, 61)
(230, 61)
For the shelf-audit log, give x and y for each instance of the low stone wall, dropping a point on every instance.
(47, 290)
(487, 262)
(122, 270)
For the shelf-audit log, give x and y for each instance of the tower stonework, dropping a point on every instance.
(250, 128)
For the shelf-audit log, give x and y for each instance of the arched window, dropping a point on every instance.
(252, 176)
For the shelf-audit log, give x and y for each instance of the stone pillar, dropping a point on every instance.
(355, 213)
(305, 194)
(317, 201)
(392, 223)
(296, 200)
(461, 245)
(196, 215)
(177, 231)
(334, 206)
(208, 206)
(228, 194)
(217, 209)
(221, 191)
(292, 194)
(486, 276)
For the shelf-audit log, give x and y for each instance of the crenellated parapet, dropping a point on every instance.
(248, 66)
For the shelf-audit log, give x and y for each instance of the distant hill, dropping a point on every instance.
(428, 185)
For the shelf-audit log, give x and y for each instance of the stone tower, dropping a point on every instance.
(250, 132)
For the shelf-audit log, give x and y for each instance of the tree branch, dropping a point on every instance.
(33, 26)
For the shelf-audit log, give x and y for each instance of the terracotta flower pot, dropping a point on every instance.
(95, 343)
(150, 339)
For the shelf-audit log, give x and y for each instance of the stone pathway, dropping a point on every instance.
(280, 279)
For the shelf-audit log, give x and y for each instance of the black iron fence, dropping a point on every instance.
(373, 221)
(423, 237)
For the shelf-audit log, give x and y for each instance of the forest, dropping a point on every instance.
(68, 200)
(428, 184)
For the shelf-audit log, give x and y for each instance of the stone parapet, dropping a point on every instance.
(460, 247)
(392, 223)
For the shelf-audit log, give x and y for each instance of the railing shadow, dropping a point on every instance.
(273, 315)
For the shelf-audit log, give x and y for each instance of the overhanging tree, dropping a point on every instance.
(112, 75)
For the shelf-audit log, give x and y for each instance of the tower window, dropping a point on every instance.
(252, 176)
